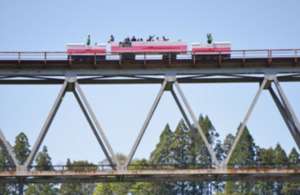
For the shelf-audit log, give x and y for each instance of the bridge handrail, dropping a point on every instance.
(148, 52)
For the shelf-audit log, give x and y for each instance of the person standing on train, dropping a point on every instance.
(209, 38)
(157, 39)
(112, 39)
(150, 38)
(88, 40)
(133, 38)
(164, 38)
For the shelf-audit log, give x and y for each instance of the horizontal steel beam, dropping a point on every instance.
(154, 71)
(252, 176)
(151, 172)
(131, 80)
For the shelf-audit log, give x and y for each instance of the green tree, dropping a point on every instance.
(41, 189)
(213, 138)
(21, 148)
(5, 165)
(243, 156)
(43, 162)
(265, 159)
(103, 189)
(78, 188)
(162, 152)
(162, 155)
(281, 161)
(292, 187)
(118, 188)
(22, 151)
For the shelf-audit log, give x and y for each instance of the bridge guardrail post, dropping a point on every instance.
(70, 60)
(19, 59)
(296, 57)
(45, 62)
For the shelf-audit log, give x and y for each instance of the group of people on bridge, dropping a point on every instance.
(133, 39)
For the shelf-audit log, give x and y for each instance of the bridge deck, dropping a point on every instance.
(241, 61)
(152, 175)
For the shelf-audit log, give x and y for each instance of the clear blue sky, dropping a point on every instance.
(121, 110)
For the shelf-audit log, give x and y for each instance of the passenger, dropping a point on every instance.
(209, 38)
(127, 39)
(164, 38)
(141, 39)
(157, 39)
(150, 38)
(133, 38)
(88, 40)
(112, 39)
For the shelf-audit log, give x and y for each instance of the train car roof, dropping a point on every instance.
(227, 42)
(82, 44)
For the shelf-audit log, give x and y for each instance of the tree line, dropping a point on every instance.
(182, 146)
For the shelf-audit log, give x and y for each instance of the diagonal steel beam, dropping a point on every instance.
(97, 123)
(47, 124)
(288, 107)
(240, 131)
(285, 117)
(289, 114)
(146, 123)
(93, 128)
(8, 150)
(203, 152)
(212, 154)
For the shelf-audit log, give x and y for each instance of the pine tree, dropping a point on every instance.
(213, 138)
(281, 161)
(292, 187)
(43, 162)
(22, 151)
(5, 165)
(78, 188)
(162, 153)
(228, 143)
(21, 148)
(265, 159)
(243, 156)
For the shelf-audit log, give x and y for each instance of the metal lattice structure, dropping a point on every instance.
(171, 74)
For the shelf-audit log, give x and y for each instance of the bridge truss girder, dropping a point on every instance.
(72, 84)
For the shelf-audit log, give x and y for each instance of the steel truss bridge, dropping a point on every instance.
(59, 68)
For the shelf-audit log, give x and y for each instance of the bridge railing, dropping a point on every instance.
(170, 166)
(65, 56)
(72, 168)
(264, 166)
(154, 167)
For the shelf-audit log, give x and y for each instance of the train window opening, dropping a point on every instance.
(126, 44)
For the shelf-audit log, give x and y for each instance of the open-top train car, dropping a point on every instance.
(128, 50)
(151, 47)
(213, 50)
(81, 51)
